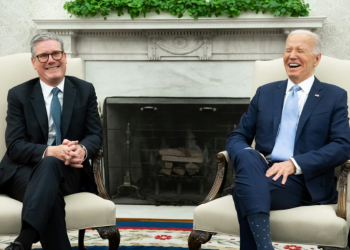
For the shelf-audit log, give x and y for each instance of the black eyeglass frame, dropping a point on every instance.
(48, 56)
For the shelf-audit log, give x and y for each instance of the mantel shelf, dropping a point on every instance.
(174, 23)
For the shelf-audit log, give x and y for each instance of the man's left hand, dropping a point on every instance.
(284, 169)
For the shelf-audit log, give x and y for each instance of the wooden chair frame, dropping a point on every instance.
(110, 232)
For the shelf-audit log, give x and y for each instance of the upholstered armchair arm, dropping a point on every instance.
(222, 158)
(343, 191)
(96, 164)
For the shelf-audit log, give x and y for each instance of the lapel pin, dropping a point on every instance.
(317, 95)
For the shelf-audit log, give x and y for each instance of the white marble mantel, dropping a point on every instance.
(163, 55)
(160, 23)
(170, 38)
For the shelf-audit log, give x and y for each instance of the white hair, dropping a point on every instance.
(317, 45)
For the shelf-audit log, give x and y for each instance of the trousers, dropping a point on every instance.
(255, 193)
(42, 189)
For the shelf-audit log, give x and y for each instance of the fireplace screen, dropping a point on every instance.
(162, 150)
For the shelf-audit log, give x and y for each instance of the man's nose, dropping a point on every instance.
(51, 59)
(293, 54)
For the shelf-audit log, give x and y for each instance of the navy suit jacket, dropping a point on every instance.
(322, 139)
(27, 124)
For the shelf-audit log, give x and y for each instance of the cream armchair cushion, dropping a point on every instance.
(81, 209)
(323, 227)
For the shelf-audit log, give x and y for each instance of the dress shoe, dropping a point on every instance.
(15, 246)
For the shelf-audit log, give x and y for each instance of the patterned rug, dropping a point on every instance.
(139, 234)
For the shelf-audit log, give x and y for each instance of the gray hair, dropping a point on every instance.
(42, 37)
(317, 45)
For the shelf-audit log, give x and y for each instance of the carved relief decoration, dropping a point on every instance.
(110, 33)
(263, 32)
(179, 42)
(177, 47)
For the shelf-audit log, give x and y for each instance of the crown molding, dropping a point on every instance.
(285, 23)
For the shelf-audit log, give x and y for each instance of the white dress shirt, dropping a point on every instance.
(303, 93)
(47, 94)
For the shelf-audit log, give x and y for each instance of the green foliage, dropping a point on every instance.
(194, 8)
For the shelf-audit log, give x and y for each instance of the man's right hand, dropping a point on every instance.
(62, 152)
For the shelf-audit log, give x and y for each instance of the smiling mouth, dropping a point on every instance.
(293, 65)
(52, 68)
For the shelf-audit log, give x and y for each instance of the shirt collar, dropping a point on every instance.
(304, 85)
(47, 89)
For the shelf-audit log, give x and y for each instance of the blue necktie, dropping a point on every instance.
(56, 114)
(284, 146)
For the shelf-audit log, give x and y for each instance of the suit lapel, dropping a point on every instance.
(68, 106)
(313, 99)
(39, 107)
(278, 99)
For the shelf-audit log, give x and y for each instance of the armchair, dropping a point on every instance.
(326, 226)
(83, 210)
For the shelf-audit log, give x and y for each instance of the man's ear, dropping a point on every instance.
(33, 63)
(317, 59)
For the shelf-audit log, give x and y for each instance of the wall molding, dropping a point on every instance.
(285, 23)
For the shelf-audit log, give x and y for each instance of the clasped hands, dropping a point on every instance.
(284, 168)
(69, 152)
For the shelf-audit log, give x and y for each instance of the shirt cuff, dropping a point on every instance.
(86, 153)
(298, 170)
(44, 152)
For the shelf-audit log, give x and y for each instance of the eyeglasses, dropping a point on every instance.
(56, 55)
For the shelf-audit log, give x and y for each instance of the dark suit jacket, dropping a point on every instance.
(27, 124)
(322, 139)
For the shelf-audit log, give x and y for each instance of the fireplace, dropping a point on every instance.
(161, 150)
(184, 66)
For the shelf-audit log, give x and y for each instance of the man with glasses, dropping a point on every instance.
(53, 129)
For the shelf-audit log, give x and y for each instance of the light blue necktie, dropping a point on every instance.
(284, 146)
(56, 114)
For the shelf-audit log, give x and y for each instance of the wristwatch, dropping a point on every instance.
(86, 153)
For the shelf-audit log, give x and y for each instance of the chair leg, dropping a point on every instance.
(197, 238)
(81, 239)
(112, 234)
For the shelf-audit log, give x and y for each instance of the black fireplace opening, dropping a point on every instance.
(161, 150)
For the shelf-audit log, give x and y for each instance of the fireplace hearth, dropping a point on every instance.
(161, 150)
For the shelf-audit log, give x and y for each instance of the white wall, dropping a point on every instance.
(17, 27)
